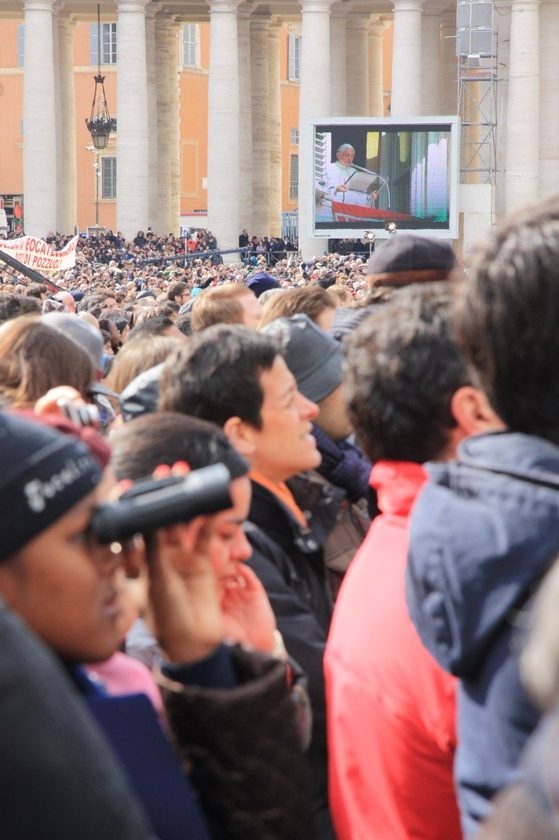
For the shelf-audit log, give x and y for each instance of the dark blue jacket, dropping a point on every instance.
(290, 565)
(484, 531)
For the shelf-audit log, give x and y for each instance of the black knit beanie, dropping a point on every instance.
(42, 475)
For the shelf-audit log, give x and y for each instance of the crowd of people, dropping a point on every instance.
(278, 541)
(108, 259)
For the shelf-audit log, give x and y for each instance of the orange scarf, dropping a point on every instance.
(282, 492)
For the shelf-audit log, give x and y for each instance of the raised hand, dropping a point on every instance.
(246, 611)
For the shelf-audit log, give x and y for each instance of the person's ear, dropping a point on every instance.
(473, 413)
(241, 436)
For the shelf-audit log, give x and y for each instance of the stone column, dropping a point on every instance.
(522, 169)
(448, 93)
(275, 129)
(223, 123)
(406, 59)
(503, 18)
(314, 101)
(153, 188)
(57, 115)
(376, 87)
(549, 99)
(338, 61)
(431, 60)
(174, 130)
(162, 86)
(39, 122)
(260, 74)
(245, 126)
(132, 191)
(357, 46)
(67, 215)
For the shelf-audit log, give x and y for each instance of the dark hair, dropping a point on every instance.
(114, 315)
(12, 305)
(183, 323)
(402, 369)
(164, 438)
(176, 290)
(154, 325)
(217, 374)
(92, 303)
(166, 309)
(505, 319)
(36, 290)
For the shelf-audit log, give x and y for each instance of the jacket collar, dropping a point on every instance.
(397, 484)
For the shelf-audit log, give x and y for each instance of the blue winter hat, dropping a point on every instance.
(44, 474)
(262, 282)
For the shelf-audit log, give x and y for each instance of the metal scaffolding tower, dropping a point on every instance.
(477, 90)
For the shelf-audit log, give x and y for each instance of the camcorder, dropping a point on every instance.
(157, 503)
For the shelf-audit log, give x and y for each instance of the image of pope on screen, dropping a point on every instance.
(343, 181)
(367, 176)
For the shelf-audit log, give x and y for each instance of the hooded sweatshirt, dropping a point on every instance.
(483, 533)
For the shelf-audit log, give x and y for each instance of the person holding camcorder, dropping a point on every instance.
(59, 572)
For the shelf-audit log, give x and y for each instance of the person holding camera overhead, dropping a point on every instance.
(229, 709)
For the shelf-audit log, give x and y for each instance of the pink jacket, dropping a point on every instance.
(390, 707)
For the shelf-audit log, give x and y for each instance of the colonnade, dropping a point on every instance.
(341, 42)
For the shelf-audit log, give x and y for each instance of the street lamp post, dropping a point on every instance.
(97, 175)
(100, 123)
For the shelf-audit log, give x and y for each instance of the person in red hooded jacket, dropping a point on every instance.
(390, 707)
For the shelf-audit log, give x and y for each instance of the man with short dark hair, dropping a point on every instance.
(391, 709)
(315, 360)
(485, 529)
(178, 292)
(238, 378)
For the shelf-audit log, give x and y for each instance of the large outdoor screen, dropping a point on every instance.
(372, 172)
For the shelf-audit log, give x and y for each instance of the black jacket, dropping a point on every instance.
(289, 562)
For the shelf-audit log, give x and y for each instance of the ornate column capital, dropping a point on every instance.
(358, 20)
(124, 6)
(408, 5)
(223, 6)
(245, 10)
(38, 5)
(260, 22)
(338, 11)
(377, 26)
(315, 6)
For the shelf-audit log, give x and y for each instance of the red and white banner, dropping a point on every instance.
(37, 254)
